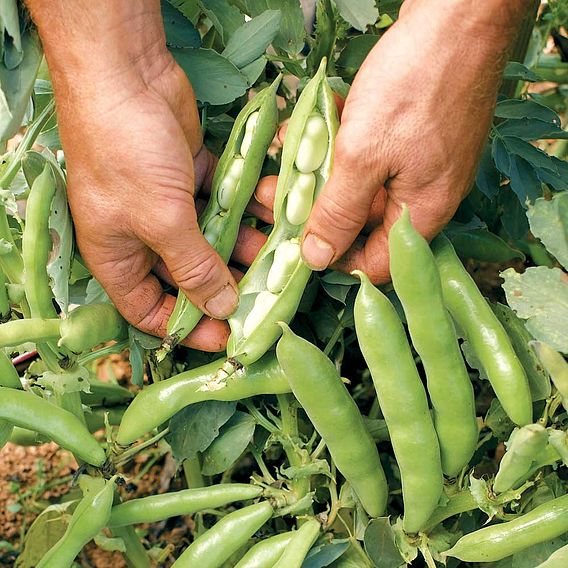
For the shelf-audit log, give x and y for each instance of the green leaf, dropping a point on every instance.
(76, 380)
(324, 554)
(501, 157)
(498, 421)
(194, 428)
(180, 32)
(10, 26)
(355, 52)
(519, 72)
(524, 181)
(214, 78)
(548, 220)
(515, 108)
(44, 532)
(540, 296)
(226, 18)
(136, 358)
(380, 544)
(534, 156)
(16, 87)
(539, 381)
(358, 13)
(233, 439)
(487, 178)
(96, 293)
(189, 8)
(514, 218)
(253, 70)
(339, 86)
(290, 37)
(481, 244)
(250, 41)
(531, 129)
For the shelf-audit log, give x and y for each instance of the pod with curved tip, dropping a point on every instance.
(484, 333)
(185, 502)
(157, 403)
(222, 540)
(318, 387)
(266, 552)
(403, 402)
(29, 411)
(417, 283)
(493, 543)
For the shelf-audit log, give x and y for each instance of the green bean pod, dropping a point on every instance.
(485, 333)
(302, 541)
(36, 245)
(186, 502)
(417, 283)
(5, 307)
(89, 518)
(233, 184)
(490, 544)
(558, 559)
(8, 378)
(157, 403)
(318, 387)
(222, 540)
(556, 366)
(37, 330)
(523, 447)
(250, 339)
(558, 439)
(29, 411)
(403, 402)
(265, 553)
(90, 325)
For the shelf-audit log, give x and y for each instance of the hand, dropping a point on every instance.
(412, 129)
(130, 130)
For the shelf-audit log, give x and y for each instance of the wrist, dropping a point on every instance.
(116, 44)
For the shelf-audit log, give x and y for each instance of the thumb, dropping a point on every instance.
(342, 208)
(196, 267)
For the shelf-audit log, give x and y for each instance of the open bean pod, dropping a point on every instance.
(273, 286)
(234, 182)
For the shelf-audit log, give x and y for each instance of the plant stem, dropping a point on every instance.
(128, 454)
(192, 472)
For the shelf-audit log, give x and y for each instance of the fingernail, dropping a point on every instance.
(223, 303)
(317, 253)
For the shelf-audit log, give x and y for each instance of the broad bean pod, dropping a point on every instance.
(157, 403)
(558, 559)
(302, 541)
(417, 283)
(89, 518)
(272, 288)
(222, 540)
(403, 402)
(485, 333)
(318, 387)
(523, 447)
(490, 544)
(186, 502)
(556, 366)
(233, 184)
(265, 553)
(5, 307)
(27, 410)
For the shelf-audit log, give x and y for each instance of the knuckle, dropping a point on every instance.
(200, 272)
(339, 216)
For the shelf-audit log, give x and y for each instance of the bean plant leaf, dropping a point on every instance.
(487, 178)
(234, 437)
(519, 72)
(11, 51)
(324, 554)
(44, 532)
(380, 544)
(96, 293)
(189, 8)
(481, 244)
(538, 380)
(250, 41)
(253, 70)
(194, 428)
(514, 217)
(548, 220)
(523, 109)
(540, 296)
(358, 13)
(76, 380)
(180, 32)
(16, 86)
(214, 78)
(531, 129)
(524, 182)
(290, 37)
(226, 18)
